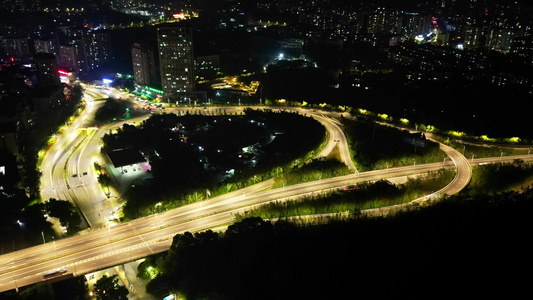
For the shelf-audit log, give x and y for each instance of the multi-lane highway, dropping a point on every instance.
(68, 168)
(66, 175)
(94, 250)
(336, 138)
(124, 242)
(62, 179)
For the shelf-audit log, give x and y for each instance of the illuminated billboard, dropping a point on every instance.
(65, 77)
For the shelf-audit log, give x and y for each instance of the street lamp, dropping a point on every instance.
(54, 242)
(156, 209)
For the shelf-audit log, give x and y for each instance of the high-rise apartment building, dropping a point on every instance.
(17, 48)
(414, 24)
(100, 48)
(92, 48)
(46, 66)
(68, 58)
(176, 60)
(47, 46)
(143, 60)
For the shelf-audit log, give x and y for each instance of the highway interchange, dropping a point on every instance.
(104, 246)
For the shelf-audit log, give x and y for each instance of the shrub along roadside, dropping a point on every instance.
(353, 199)
(316, 169)
(480, 151)
(496, 178)
(374, 146)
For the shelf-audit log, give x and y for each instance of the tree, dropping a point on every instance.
(10, 295)
(71, 288)
(31, 178)
(105, 180)
(107, 287)
(66, 213)
(39, 291)
(148, 269)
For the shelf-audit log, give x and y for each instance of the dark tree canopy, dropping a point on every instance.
(107, 287)
(66, 213)
(470, 241)
(39, 291)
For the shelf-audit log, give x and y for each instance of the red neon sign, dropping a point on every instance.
(62, 72)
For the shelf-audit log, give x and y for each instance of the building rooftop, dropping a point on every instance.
(125, 157)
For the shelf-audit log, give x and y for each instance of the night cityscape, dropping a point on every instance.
(265, 149)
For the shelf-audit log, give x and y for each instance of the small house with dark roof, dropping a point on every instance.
(121, 158)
